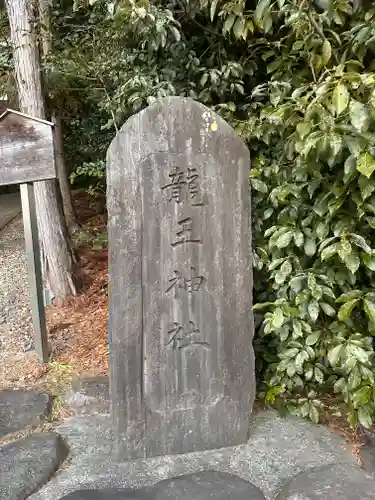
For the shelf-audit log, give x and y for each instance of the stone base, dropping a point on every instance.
(277, 450)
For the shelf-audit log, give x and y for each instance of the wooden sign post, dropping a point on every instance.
(27, 156)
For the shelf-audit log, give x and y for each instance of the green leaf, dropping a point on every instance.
(340, 385)
(276, 263)
(284, 240)
(298, 238)
(278, 318)
(322, 230)
(239, 27)
(268, 213)
(362, 396)
(344, 249)
(369, 308)
(283, 272)
(352, 262)
(313, 338)
(176, 34)
(326, 52)
(262, 305)
(313, 309)
(261, 10)
(366, 164)
(334, 355)
(303, 129)
(359, 116)
(358, 353)
(353, 294)
(259, 185)
(319, 376)
(366, 186)
(297, 330)
(328, 252)
(364, 417)
(329, 310)
(310, 247)
(340, 98)
(360, 242)
(229, 21)
(369, 260)
(296, 284)
(213, 9)
(346, 309)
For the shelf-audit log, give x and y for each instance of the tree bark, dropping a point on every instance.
(45, 20)
(62, 173)
(57, 257)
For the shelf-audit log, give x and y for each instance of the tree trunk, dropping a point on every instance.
(57, 257)
(45, 20)
(62, 173)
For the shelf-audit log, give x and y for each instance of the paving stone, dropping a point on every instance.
(201, 486)
(27, 464)
(19, 409)
(89, 395)
(330, 482)
(204, 486)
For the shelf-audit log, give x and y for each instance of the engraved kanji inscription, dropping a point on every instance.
(174, 188)
(190, 285)
(185, 234)
(192, 180)
(183, 186)
(180, 337)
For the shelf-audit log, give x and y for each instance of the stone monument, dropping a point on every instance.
(180, 282)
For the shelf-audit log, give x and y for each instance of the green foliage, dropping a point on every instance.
(296, 78)
(91, 175)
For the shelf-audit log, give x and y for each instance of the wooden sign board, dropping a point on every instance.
(26, 149)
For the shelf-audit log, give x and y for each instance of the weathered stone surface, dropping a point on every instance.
(107, 494)
(331, 482)
(89, 395)
(205, 486)
(180, 296)
(201, 486)
(277, 450)
(19, 409)
(367, 453)
(27, 464)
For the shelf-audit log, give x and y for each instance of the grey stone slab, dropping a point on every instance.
(19, 409)
(89, 395)
(276, 451)
(204, 486)
(26, 464)
(201, 486)
(180, 294)
(330, 482)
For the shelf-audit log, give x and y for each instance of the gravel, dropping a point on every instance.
(16, 334)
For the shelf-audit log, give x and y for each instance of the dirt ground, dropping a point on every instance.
(78, 325)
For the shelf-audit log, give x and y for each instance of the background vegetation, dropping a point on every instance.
(296, 79)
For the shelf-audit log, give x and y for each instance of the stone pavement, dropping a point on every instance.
(10, 207)
(284, 458)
